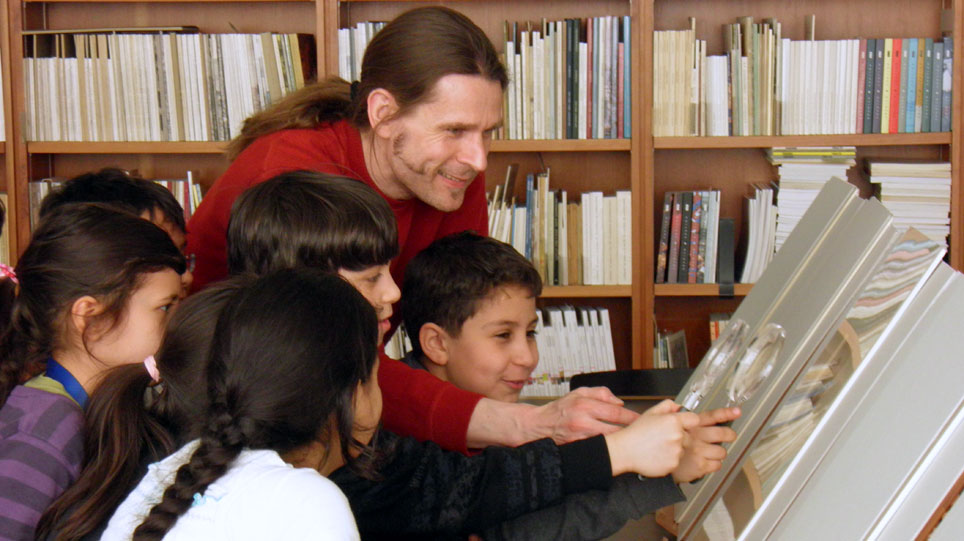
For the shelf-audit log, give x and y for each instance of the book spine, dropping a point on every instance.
(686, 218)
(672, 264)
(879, 85)
(888, 82)
(928, 80)
(937, 74)
(919, 92)
(902, 100)
(895, 85)
(663, 252)
(947, 78)
(911, 68)
(868, 110)
(694, 237)
(861, 83)
(705, 225)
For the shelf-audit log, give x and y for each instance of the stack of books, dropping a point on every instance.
(568, 79)
(170, 85)
(917, 193)
(585, 242)
(671, 350)
(765, 84)
(802, 173)
(689, 237)
(760, 217)
(351, 48)
(571, 341)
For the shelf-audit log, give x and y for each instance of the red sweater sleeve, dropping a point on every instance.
(420, 405)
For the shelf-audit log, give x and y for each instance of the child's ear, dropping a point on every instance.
(434, 342)
(82, 310)
(381, 108)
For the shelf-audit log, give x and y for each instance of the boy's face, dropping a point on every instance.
(379, 289)
(495, 352)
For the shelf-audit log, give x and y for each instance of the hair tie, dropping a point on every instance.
(7, 270)
(354, 90)
(151, 365)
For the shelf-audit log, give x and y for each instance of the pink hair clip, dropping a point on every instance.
(7, 270)
(151, 365)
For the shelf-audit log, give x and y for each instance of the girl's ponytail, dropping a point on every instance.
(119, 432)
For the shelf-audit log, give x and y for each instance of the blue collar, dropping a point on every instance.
(71, 385)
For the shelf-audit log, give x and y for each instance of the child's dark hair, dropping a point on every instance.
(446, 281)
(123, 433)
(77, 250)
(116, 188)
(287, 355)
(308, 219)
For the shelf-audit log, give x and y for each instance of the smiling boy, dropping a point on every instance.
(470, 305)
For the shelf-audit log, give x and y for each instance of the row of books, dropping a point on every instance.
(351, 48)
(689, 238)
(586, 242)
(569, 79)
(765, 84)
(186, 191)
(802, 172)
(160, 86)
(571, 340)
(671, 350)
(760, 224)
(918, 194)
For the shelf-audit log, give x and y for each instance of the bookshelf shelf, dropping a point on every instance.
(135, 147)
(698, 290)
(561, 145)
(217, 147)
(165, 1)
(587, 292)
(895, 139)
(3, 147)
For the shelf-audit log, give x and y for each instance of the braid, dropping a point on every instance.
(221, 443)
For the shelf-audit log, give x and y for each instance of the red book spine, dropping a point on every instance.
(895, 87)
(695, 221)
(861, 83)
(672, 265)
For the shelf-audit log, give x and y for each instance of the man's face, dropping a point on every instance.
(440, 146)
(495, 351)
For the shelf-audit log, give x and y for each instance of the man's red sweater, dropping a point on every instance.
(416, 403)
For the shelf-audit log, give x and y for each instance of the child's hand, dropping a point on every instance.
(653, 444)
(701, 454)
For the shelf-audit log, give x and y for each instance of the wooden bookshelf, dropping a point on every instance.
(699, 290)
(134, 147)
(586, 292)
(645, 165)
(887, 139)
(732, 164)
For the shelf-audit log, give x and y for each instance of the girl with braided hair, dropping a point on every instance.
(292, 395)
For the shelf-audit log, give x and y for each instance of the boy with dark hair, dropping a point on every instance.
(469, 303)
(116, 188)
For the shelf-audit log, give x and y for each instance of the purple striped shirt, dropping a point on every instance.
(41, 449)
